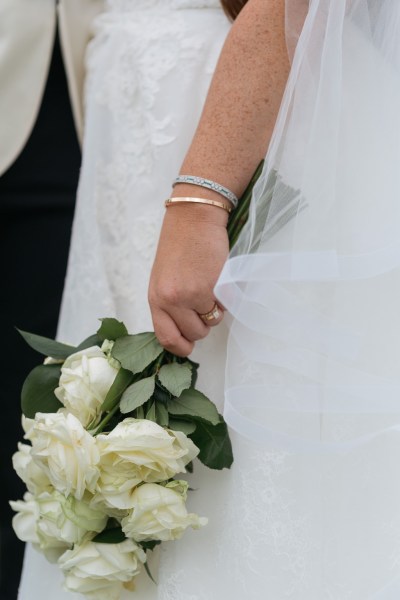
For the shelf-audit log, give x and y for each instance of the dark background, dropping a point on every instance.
(37, 196)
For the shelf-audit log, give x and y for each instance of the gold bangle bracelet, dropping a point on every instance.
(172, 201)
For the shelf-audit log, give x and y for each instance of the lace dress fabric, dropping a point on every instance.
(149, 67)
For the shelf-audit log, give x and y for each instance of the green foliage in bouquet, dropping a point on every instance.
(151, 384)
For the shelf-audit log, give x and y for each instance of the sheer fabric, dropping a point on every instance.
(295, 15)
(313, 280)
(314, 288)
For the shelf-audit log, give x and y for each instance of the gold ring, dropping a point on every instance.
(213, 314)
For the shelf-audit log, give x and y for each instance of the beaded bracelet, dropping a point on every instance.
(172, 201)
(210, 185)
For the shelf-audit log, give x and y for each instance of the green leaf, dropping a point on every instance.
(120, 383)
(47, 346)
(137, 394)
(150, 545)
(92, 340)
(151, 413)
(194, 367)
(214, 444)
(161, 414)
(111, 329)
(160, 394)
(136, 352)
(147, 569)
(186, 427)
(110, 536)
(175, 378)
(38, 391)
(193, 403)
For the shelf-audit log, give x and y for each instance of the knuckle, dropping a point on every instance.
(152, 297)
(170, 295)
(186, 293)
(163, 294)
(204, 292)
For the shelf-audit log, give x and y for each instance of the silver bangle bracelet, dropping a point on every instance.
(210, 185)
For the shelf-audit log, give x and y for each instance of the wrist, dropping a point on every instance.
(191, 212)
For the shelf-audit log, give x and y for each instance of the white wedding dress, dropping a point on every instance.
(149, 67)
(287, 521)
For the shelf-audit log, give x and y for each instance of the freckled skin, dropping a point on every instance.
(244, 97)
(231, 139)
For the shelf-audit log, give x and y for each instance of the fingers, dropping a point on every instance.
(189, 259)
(191, 326)
(169, 335)
(179, 328)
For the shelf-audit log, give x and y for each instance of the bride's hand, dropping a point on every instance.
(232, 136)
(192, 249)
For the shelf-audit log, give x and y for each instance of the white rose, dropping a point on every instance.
(158, 513)
(27, 424)
(139, 451)
(101, 571)
(86, 377)
(25, 521)
(66, 519)
(31, 474)
(25, 524)
(180, 486)
(66, 452)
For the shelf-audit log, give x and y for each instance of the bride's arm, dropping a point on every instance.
(231, 139)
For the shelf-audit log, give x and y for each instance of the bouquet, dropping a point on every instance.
(112, 424)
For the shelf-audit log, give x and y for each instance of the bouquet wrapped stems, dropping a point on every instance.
(238, 217)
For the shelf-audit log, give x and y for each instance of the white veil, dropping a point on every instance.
(313, 287)
(295, 15)
(314, 281)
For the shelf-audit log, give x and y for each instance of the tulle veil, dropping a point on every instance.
(313, 280)
(313, 287)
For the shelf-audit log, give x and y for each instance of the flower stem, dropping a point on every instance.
(159, 362)
(239, 217)
(106, 419)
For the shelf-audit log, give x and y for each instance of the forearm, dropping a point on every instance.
(232, 138)
(243, 101)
